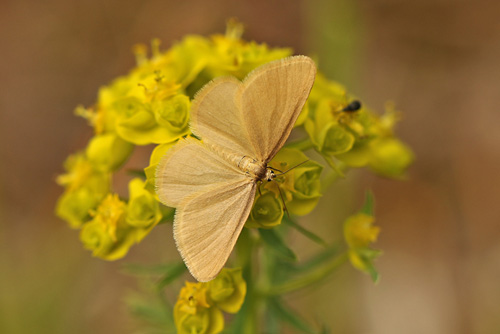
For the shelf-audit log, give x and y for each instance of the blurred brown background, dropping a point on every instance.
(437, 59)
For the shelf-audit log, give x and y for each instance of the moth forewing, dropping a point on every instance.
(272, 99)
(217, 118)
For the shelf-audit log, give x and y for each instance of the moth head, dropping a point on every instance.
(270, 175)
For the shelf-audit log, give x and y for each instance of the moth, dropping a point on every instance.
(212, 182)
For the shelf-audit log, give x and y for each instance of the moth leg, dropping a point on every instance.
(283, 200)
(258, 187)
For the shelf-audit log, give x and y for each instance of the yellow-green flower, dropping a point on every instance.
(81, 173)
(232, 55)
(359, 233)
(267, 211)
(95, 236)
(85, 188)
(359, 230)
(154, 160)
(193, 313)
(327, 134)
(107, 152)
(205, 321)
(75, 206)
(111, 211)
(390, 157)
(301, 186)
(137, 122)
(173, 114)
(193, 297)
(228, 290)
(143, 209)
(103, 235)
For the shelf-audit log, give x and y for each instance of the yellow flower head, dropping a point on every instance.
(193, 297)
(80, 173)
(109, 213)
(143, 209)
(228, 290)
(359, 230)
(359, 233)
(267, 211)
(193, 313)
(301, 185)
(205, 321)
(85, 186)
(107, 152)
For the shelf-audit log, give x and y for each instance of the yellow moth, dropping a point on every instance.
(212, 182)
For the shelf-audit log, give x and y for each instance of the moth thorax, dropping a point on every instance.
(253, 167)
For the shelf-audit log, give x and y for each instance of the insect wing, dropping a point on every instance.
(216, 116)
(207, 225)
(190, 167)
(272, 99)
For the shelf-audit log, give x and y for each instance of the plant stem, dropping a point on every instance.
(246, 249)
(337, 168)
(308, 279)
(302, 145)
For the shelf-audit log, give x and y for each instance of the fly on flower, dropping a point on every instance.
(352, 107)
(212, 183)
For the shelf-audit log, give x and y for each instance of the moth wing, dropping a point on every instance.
(190, 167)
(216, 116)
(207, 225)
(272, 99)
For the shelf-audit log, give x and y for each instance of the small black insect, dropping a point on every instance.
(353, 106)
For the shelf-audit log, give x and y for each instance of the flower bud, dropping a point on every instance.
(107, 152)
(390, 157)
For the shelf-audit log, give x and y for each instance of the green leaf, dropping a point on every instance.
(308, 234)
(367, 256)
(137, 172)
(289, 316)
(152, 310)
(369, 203)
(274, 241)
(173, 273)
(314, 261)
(167, 213)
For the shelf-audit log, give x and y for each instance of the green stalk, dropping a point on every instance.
(248, 314)
(333, 165)
(307, 279)
(302, 145)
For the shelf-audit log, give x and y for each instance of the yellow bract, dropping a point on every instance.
(359, 233)
(228, 290)
(143, 209)
(198, 308)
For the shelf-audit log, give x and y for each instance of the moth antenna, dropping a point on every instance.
(276, 169)
(283, 200)
(303, 162)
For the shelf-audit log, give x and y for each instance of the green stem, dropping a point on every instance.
(308, 279)
(246, 249)
(302, 145)
(333, 176)
(334, 166)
